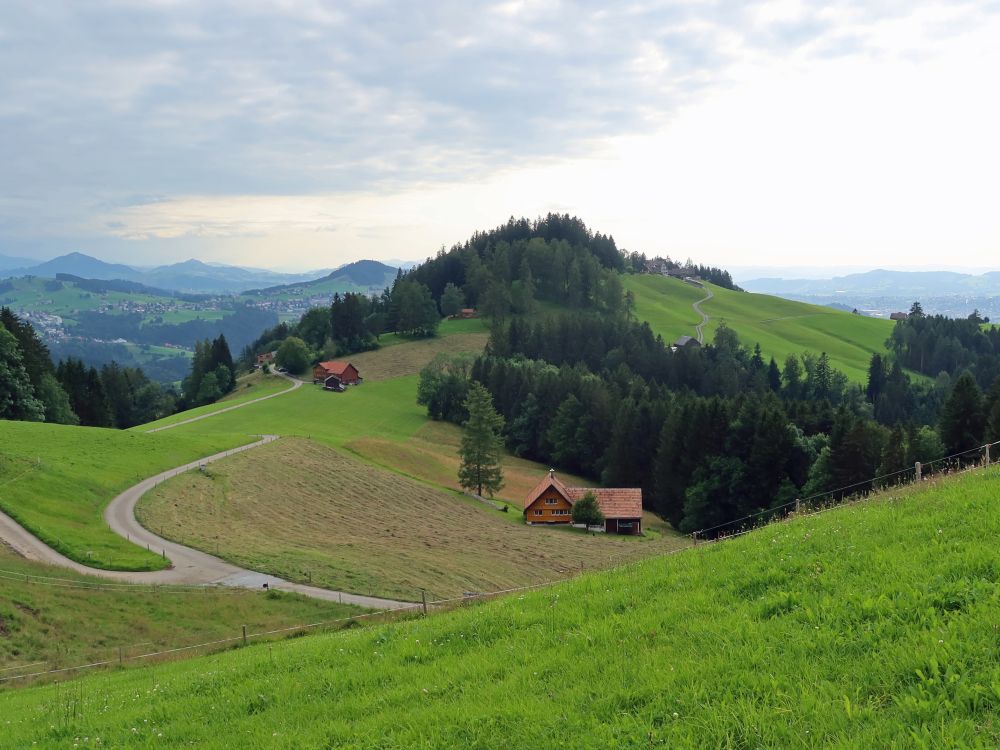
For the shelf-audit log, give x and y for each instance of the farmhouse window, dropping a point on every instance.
(550, 501)
(538, 512)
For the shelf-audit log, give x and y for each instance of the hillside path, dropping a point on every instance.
(296, 383)
(190, 566)
(699, 330)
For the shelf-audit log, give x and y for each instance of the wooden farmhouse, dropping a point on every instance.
(551, 501)
(336, 375)
(266, 357)
(687, 342)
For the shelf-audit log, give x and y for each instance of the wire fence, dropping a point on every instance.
(972, 458)
(121, 656)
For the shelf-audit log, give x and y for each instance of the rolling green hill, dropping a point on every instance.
(868, 626)
(56, 480)
(780, 326)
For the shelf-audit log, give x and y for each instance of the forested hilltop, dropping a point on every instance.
(711, 434)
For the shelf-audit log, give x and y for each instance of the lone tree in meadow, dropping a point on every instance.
(586, 511)
(482, 444)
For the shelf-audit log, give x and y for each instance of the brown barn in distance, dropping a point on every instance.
(551, 502)
(267, 357)
(344, 372)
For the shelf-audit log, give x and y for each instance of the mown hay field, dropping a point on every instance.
(306, 512)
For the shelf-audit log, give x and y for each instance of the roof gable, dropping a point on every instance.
(614, 502)
(337, 368)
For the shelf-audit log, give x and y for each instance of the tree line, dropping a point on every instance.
(710, 434)
(33, 388)
(352, 323)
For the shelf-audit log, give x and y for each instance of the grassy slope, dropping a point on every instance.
(57, 480)
(870, 626)
(356, 527)
(65, 626)
(780, 326)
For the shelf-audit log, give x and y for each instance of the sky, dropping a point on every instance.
(301, 134)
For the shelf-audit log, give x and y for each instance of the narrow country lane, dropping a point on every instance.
(190, 566)
(699, 330)
(296, 383)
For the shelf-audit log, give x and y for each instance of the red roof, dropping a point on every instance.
(614, 502)
(336, 368)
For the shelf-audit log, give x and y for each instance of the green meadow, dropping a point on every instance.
(50, 620)
(781, 327)
(56, 481)
(867, 626)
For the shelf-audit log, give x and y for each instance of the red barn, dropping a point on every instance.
(552, 502)
(344, 372)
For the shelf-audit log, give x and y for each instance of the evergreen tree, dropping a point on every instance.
(962, 417)
(17, 397)
(876, 378)
(992, 411)
(482, 444)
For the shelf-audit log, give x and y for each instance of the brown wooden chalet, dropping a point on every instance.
(267, 357)
(334, 375)
(551, 501)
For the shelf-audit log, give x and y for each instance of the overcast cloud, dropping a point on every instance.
(234, 130)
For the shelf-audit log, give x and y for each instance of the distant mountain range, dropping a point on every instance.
(364, 273)
(881, 292)
(193, 276)
(896, 283)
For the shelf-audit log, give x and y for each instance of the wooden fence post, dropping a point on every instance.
(244, 635)
(423, 600)
(918, 469)
(986, 448)
(798, 505)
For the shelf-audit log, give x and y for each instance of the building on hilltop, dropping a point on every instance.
(687, 342)
(331, 374)
(898, 316)
(266, 357)
(551, 502)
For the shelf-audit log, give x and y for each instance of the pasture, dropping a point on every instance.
(868, 626)
(47, 616)
(781, 327)
(306, 512)
(56, 480)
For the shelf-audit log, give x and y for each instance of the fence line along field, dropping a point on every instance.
(56, 480)
(781, 327)
(869, 626)
(47, 616)
(305, 512)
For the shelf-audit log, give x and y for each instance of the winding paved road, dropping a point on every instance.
(190, 566)
(699, 330)
(296, 383)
